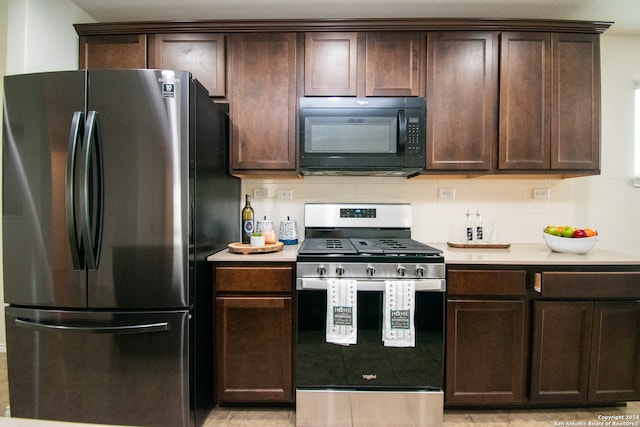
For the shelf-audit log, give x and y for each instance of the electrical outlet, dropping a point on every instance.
(260, 193)
(284, 194)
(541, 193)
(446, 193)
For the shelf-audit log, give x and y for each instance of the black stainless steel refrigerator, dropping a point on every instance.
(115, 189)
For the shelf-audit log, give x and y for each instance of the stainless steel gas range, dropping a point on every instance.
(370, 319)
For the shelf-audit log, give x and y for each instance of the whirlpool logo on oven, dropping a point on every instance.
(369, 377)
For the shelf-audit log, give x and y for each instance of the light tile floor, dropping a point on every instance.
(277, 417)
(285, 417)
(254, 417)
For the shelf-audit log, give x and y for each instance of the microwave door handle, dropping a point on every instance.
(402, 131)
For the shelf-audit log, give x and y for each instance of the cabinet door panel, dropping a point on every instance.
(575, 126)
(330, 64)
(263, 101)
(394, 63)
(254, 279)
(117, 51)
(525, 101)
(486, 282)
(590, 285)
(615, 353)
(561, 351)
(462, 82)
(485, 352)
(201, 54)
(254, 349)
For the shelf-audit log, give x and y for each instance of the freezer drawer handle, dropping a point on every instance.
(124, 329)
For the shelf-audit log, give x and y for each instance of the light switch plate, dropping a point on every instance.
(446, 193)
(541, 193)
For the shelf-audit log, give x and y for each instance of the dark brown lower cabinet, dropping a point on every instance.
(253, 333)
(615, 352)
(585, 351)
(254, 349)
(518, 336)
(485, 351)
(561, 350)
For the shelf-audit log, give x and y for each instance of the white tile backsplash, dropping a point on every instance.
(509, 203)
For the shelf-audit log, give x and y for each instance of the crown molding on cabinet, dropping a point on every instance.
(388, 24)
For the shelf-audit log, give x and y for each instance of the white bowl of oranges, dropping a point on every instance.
(571, 240)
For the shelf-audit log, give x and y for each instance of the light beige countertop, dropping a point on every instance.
(534, 254)
(287, 254)
(520, 254)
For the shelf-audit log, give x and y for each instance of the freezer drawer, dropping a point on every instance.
(128, 368)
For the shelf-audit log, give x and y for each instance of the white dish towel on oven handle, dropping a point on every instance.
(342, 311)
(398, 329)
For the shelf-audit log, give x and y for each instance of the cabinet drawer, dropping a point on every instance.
(580, 284)
(486, 282)
(254, 279)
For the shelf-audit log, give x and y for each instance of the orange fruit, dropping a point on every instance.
(590, 232)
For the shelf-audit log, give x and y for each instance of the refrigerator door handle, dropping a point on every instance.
(75, 135)
(113, 330)
(92, 191)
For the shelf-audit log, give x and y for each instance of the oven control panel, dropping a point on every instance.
(357, 212)
(382, 271)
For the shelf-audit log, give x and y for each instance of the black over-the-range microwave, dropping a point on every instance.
(362, 136)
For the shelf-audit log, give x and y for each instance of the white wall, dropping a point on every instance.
(41, 36)
(609, 200)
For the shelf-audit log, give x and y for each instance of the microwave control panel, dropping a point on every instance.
(413, 136)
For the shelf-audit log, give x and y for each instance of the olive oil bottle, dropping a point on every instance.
(247, 220)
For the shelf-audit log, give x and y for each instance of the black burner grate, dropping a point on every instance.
(391, 246)
(327, 246)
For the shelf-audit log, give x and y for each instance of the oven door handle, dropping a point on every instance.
(421, 285)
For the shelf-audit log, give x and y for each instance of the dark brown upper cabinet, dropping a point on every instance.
(575, 120)
(503, 96)
(330, 64)
(201, 54)
(375, 63)
(549, 101)
(395, 63)
(462, 82)
(263, 102)
(113, 51)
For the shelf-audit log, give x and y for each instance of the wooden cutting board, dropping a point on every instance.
(246, 249)
(479, 245)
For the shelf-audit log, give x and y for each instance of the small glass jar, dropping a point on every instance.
(269, 236)
(257, 240)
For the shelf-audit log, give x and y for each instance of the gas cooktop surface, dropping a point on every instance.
(362, 232)
(366, 246)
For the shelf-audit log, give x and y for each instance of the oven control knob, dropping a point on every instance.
(371, 270)
(420, 271)
(401, 270)
(339, 270)
(322, 270)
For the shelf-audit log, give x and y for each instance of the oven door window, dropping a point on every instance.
(351, 132)
(369, 364)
